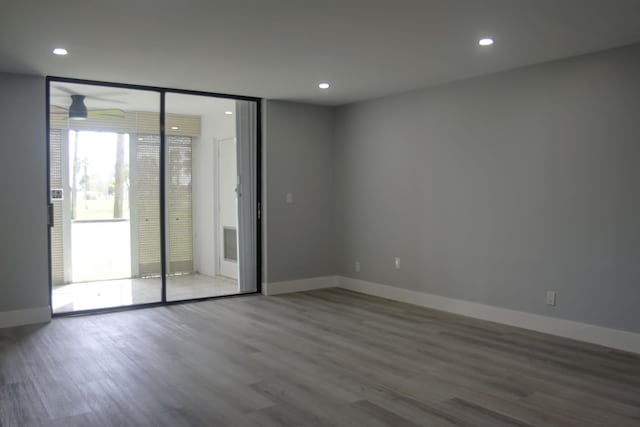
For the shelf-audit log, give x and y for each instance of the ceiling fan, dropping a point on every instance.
(78, 110)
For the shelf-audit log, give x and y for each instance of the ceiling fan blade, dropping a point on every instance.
(64, 89)
(113, 112)
(104, 96)
(56, 109)
(92, 98)
(101, 98)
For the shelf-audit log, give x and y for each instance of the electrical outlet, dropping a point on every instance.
(289, 198)
(551, 298)
(57, 194)
(357, 266)
(397, 263)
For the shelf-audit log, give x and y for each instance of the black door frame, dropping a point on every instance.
(163, 231)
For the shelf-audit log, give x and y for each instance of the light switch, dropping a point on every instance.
(289, 198)
(551, 298)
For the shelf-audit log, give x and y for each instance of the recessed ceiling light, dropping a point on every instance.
(487, 41)
(228, 112)
(174, 127)
(323, 85)
(60, 51)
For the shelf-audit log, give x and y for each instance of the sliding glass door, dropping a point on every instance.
(204, 194)
(153, 195)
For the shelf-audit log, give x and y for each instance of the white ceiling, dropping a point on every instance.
(282, 48)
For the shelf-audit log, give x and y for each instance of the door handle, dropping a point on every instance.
(50, 214)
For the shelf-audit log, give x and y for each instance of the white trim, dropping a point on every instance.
(277, 288)
(24, 317)
(622, 340)
(134, 241)
(216, 207)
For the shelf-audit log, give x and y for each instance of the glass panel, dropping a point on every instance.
(202, 208)
(105, 189)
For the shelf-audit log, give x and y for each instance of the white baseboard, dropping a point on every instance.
(24, 317)
(277, 288)
(614, 338)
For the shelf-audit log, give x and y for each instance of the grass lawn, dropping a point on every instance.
(98, 209)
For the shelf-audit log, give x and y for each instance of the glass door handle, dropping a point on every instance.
(50, 215)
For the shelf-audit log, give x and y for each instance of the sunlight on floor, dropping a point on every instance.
(123, 292)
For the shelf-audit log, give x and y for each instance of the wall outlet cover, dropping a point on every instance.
(57, 194)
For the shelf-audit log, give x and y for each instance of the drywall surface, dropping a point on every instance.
(298, 160)
(203, 187)
(497, 189)
(23, 218)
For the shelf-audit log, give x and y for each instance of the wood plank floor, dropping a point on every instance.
(329, 357)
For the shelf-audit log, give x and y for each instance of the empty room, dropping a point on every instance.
(342, 213)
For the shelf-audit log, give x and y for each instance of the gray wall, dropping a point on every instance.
(490, 190)
(298, 155)
(497, 189)
(23, 217)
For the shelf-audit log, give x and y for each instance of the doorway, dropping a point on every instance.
(98, 188)
(146, 200)
(227, 223)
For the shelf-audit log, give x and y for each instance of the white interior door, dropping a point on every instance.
(227, 208)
